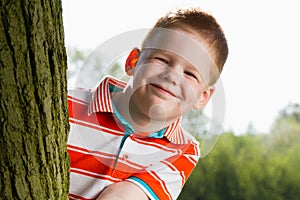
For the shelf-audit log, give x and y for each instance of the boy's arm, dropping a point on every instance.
(123, 190)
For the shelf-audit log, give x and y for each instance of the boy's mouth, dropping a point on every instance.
(163, 89)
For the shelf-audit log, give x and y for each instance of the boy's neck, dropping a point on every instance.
(139, 121)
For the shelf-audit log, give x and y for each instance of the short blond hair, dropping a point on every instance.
(204, 25)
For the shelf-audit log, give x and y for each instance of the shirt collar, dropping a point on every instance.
(101, 102)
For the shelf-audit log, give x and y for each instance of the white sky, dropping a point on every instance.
(261, 75)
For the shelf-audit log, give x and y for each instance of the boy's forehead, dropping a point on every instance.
(185, 46)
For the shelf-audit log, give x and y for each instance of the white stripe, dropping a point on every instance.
(93, 140)
(96, 174)
(193, 161)
(131, 165)
(162, 147)
(173, 180)
(145, 154)
(95, 125)
(161, 182)
(97, 103)
(92, 153)
(79, 102)
(83, 95)
(92, 187)
(175, 169)
(106, 96)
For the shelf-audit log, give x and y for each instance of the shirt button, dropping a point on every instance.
(125, 156)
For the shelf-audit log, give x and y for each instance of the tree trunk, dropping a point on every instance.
(34, 163)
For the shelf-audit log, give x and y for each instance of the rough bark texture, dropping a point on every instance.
(34, 163)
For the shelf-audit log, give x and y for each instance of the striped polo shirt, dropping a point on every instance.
(102, 152)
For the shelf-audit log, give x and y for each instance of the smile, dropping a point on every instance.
(163, 89)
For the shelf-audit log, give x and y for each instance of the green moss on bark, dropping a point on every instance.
(34, 125)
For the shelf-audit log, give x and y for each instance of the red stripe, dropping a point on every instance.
(75, 197)
(101, 99)
(75, 148)
(106, 97)
(165, 145)
(90, 163)
(98, 154)
(117, 83)
(169, 165)
(172, 134)
(97, 100)
(78, 114)
(196, 149)
(102, 95)
(157, 143)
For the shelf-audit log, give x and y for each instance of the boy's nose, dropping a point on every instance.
(171, 75)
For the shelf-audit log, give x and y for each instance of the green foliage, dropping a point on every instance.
(251, 166)
(76, 59)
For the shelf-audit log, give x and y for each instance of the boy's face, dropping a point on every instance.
(165, 85)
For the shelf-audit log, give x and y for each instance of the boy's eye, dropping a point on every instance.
(162, 60)
(191, 74)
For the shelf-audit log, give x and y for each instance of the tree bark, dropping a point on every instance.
(34, 163)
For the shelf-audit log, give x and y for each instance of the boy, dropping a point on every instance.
(126, 141)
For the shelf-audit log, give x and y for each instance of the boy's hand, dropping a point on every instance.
(122, 191)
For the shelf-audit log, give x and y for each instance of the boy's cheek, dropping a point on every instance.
(193, 88)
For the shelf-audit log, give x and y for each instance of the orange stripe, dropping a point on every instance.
(154, 183)
(102, 163)
(182, 164)
(162, 184)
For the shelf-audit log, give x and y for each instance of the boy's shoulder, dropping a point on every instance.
(188, 136)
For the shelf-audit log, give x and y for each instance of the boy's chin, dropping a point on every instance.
(158, 112)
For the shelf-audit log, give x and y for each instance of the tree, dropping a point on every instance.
(34, 126)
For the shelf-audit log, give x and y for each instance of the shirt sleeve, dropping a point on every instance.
(165, 179)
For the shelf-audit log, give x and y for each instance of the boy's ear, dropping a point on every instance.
(131, 61)
(204, 98)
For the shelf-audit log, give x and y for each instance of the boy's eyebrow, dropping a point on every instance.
(184, 46)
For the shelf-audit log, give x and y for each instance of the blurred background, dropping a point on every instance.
(257, 154)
